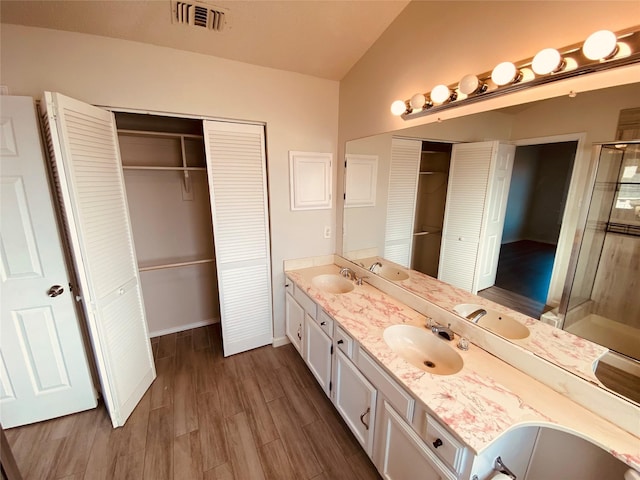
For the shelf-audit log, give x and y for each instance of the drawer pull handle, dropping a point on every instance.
(437, 443)
(340, 342)
(366, 425)
(322, 324)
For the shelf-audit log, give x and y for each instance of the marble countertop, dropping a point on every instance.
(574, 354)
(483, 401)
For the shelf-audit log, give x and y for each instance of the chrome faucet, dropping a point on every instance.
(442, 331)
(373, 266)
(346, 272)
(476, 315)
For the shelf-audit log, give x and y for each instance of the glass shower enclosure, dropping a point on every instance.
(601, 297)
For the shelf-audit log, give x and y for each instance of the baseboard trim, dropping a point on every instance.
(182, 328)
(280, 341)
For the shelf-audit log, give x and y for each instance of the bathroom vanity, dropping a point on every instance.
(451, 414)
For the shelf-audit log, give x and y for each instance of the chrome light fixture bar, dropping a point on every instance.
(602, 50)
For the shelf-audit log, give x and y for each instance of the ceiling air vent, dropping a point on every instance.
(199, 14)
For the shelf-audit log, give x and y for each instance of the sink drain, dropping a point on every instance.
(429, 363)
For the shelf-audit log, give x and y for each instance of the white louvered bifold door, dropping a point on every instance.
(463, 218)
(401, 201)
(86, 163)
(236, 166)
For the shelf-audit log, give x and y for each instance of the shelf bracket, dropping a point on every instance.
(187, 187)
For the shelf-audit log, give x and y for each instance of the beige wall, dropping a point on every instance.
(117, 73)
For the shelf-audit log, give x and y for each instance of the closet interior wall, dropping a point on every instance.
(164, 169)
(433, 175)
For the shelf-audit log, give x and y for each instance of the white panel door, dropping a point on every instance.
(401, 200)
(464, 213)
(497, 196)
(43, 366)
(88, 172)
(236, 166)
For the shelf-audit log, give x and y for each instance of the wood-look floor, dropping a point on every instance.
(256, 415)
(523, 276)
(514, 301)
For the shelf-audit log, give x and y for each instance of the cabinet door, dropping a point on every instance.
(294, 322)
(403, 455)
(401, 203)
(317, 353)
(355, 399)
(236, 169)
(88, 174)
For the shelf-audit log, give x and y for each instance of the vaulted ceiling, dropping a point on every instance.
(323, 38)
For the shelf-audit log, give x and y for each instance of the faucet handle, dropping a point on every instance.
(359, 279)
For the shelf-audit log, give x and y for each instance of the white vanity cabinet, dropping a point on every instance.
(355, 399)
(399, 434)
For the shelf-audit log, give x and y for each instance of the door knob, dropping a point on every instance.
(55, 290)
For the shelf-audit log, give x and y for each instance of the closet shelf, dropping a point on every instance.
(178, 169)
(147, 268)
(145, 133)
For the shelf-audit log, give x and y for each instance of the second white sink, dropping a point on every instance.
(497, 322)
(392, 273)
(423, 349)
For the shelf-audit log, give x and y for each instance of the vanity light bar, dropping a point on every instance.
(603, 50)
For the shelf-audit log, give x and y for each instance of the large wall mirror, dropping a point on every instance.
(550, 179)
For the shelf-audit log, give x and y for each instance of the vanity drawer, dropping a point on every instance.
(443, 444)
(344, 342)
(305, 302)
(402, 402)
(325, 322)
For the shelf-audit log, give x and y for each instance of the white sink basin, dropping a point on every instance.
(423, 349)
(332, 283)
(497, 322)
(391, 273)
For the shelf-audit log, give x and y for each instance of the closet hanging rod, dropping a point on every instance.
(179, 169)
(160, 134)
(176, 265)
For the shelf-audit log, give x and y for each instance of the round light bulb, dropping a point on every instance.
(398, 108)
(600, 45)
(469, 84)
(417, 101)
(546, 61)
(504, 73)
(440, 94)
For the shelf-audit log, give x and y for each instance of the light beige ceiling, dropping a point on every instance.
(323, 38)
